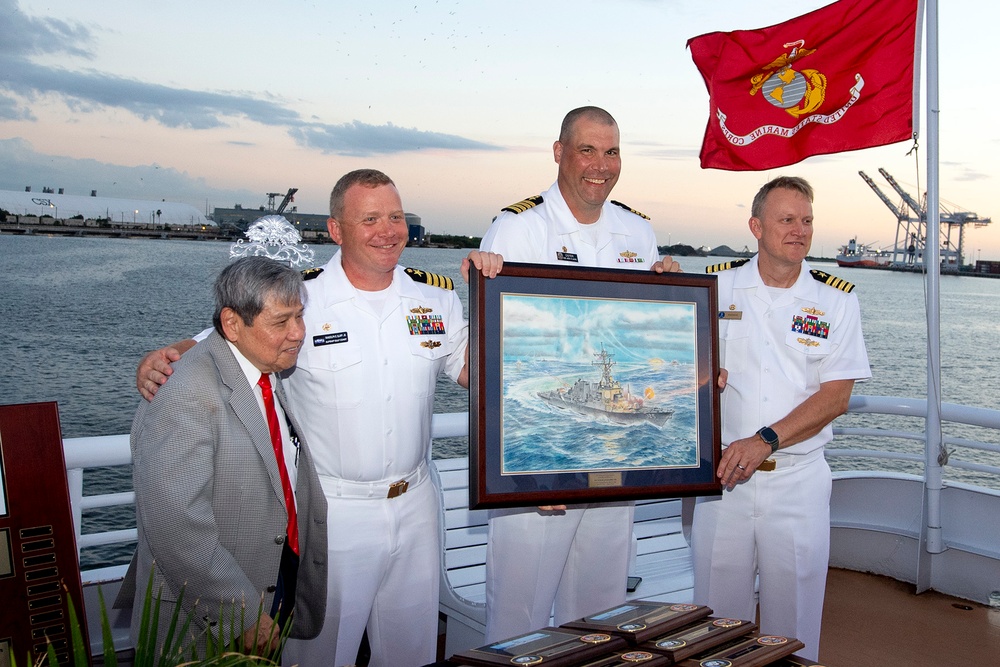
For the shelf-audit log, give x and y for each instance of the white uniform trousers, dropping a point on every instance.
(776, 525)
(384, 570)
(577, 560)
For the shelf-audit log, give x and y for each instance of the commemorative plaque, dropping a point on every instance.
(39, 572)
(698, 637)
(633, 658)
(749, 651)
(640, 620)
(549, 647)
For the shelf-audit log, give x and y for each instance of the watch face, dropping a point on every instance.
(768, 435)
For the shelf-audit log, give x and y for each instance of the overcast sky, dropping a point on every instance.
(218, 103)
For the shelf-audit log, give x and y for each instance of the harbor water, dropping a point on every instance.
(77, 314)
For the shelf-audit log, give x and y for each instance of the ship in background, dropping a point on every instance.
(605, 399)
(863, 255)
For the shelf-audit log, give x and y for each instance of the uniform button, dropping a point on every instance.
(280, 539)
(388, 431)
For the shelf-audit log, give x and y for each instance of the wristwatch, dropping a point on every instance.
(768, 435)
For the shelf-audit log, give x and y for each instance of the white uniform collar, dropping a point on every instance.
(805, 287)
(339, 287)
(565, 222)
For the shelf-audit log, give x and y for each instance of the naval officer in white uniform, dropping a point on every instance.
(570, 561)
(791, 344)
(377, 337)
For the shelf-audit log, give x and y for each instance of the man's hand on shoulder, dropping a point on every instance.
(154, 369)
(489, 263)
(666, 265)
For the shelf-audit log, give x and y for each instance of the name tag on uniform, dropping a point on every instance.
(730, 314)
(330, 339)
(566, 257)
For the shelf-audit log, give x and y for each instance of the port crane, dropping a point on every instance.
(284, 202)
(911, 225)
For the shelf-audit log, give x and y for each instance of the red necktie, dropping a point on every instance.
(279, 455)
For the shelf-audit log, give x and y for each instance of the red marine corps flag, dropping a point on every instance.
(836, 79)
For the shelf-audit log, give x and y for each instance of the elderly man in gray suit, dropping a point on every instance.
(228, 504)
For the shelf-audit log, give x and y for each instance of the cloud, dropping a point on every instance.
(362, 139)
(91, 91)
(22, 36)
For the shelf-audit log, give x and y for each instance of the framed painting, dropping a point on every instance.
(592, 385)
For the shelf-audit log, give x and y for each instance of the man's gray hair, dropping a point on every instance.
(785, 182)
(596, 114)
(370, 178)
(245, 285)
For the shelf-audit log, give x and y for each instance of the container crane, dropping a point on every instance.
(284, 202)
(904, 225)
(911, 230)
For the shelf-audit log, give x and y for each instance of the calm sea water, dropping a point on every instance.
(78, 313)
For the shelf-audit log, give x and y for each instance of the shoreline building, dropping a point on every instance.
(58, 205)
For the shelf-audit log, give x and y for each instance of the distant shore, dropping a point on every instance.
(104, 229)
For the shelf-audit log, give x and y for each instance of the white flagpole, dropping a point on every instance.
(934, 452)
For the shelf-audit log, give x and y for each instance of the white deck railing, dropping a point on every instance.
(113, 450)
(661, 551)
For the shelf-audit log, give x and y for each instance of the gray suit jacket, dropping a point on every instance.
(210, 509)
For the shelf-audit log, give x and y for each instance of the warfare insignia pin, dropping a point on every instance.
(629, 257)
(430, 344)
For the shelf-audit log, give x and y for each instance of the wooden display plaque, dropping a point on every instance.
(753, 650)
(640, 620)
(633, 658)
(548, 647)
(39, 571)
(698, 637)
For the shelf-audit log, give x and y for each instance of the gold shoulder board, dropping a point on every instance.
(832, 281)
(432, 279)
(725, 266)
(524, 204)
(309, 274)
(630, 209)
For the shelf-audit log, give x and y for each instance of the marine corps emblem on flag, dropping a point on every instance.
(799, 93)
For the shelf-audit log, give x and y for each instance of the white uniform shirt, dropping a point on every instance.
(363, 386)
(779, 352)
(549, 234)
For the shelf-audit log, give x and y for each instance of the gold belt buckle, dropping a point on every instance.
(767, 465)
(398, 488)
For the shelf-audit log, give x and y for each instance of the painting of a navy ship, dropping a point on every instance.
(605, 398)
(597, 384)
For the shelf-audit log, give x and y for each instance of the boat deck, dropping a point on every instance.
(871, 620)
